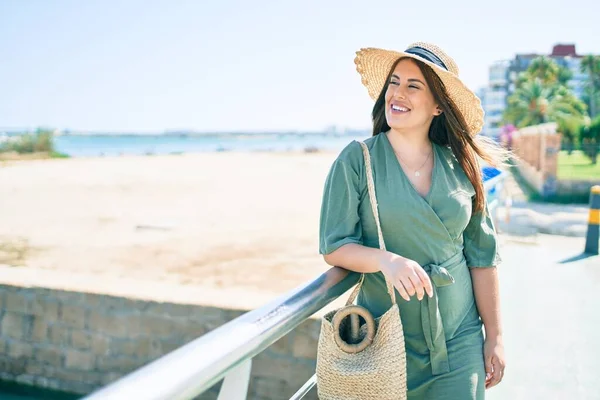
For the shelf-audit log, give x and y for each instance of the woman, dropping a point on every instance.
(441, 243)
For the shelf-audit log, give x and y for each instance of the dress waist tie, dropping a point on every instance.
(431, 318)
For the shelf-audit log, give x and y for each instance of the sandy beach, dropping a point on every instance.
(215, 220)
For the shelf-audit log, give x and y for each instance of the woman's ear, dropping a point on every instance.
(437, 111)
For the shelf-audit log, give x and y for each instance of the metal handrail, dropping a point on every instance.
(195, 367)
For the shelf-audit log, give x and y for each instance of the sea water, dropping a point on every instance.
(114, 145)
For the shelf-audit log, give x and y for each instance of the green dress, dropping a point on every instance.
(443, 335)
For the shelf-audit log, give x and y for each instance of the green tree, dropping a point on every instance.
(548, 71)
(542, 96)
(570, 128)
(590, 65)
(564, 76)
(535, 102)
(544, 69)
(590, 139)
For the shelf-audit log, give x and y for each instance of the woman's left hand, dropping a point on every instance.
(493, 352)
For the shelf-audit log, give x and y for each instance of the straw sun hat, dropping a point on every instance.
(374, 65)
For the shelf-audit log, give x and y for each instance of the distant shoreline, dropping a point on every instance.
(216, 135)
(353, 132)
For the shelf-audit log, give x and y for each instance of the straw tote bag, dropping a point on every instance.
(359, 357)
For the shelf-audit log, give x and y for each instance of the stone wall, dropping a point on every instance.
(536, 148)
(77, 342)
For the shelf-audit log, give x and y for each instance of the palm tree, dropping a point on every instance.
(591, 65)
(564, 75)
(548, 71)
(545, 69)
(528, 104)
(535, 103)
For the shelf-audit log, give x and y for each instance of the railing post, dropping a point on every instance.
(593, 232)
(235, 384)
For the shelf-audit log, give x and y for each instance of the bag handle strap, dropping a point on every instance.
(373, 198)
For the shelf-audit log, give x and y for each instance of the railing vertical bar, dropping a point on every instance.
(235, 384)
(305, 388)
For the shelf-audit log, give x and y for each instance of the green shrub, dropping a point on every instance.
(42, 141)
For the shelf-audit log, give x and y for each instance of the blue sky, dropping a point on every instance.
(211, 65)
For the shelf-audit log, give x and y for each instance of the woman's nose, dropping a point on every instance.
(399, 92)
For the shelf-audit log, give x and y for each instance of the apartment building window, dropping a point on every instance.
(494, 113)
(498, 75)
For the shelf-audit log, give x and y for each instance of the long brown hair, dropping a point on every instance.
(448, 129)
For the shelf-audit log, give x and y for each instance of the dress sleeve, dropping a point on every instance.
(339, 220)
(481, 241)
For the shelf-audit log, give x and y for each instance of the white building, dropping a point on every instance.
(494, 98)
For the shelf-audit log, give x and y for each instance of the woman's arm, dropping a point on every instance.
(356, 257)
(485, 287)
(406, 275)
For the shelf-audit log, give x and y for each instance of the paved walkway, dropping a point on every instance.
(551, 314)
(526, 218)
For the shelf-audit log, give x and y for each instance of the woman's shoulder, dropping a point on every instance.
(353, 150)
(351, 158)
(351, 154)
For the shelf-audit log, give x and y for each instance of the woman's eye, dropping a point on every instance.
(413, 86)
(393, 83)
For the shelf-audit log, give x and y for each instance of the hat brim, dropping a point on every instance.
(374, 64)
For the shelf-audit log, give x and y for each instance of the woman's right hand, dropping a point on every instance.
(407, 276)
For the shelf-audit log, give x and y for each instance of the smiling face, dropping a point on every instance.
(409, 102)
